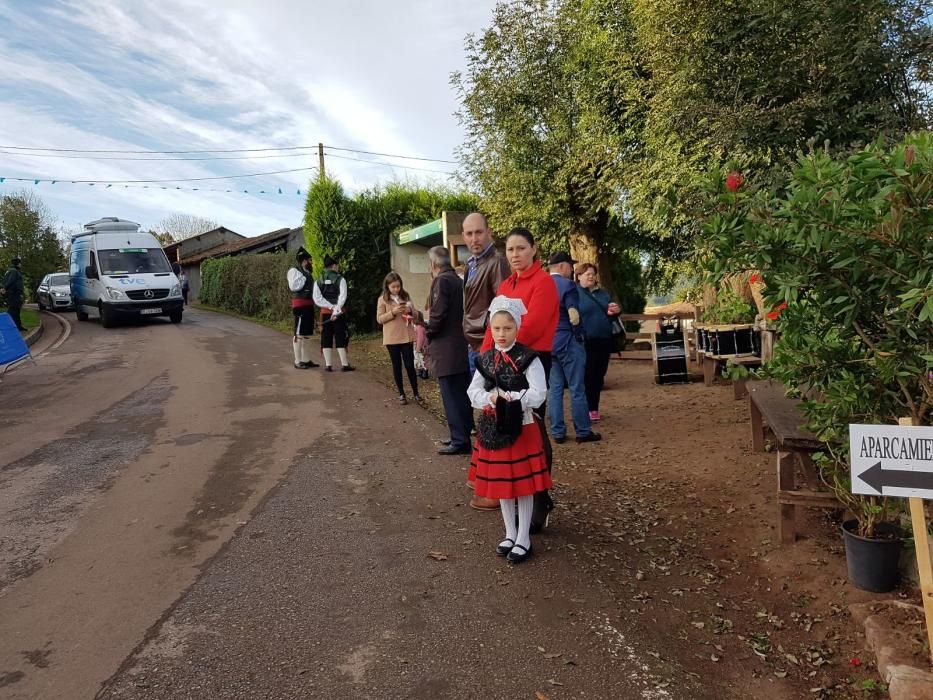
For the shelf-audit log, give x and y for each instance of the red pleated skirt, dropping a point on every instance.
(517, 470)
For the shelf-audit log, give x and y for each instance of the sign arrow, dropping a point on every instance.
(878, 478)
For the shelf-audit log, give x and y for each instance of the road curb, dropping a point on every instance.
(33, 336)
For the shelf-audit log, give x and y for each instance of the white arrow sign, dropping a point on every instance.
(892, 460)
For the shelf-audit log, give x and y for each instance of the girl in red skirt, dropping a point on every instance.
(508, 458)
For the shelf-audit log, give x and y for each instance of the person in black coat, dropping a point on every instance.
(447, 350)
(14, 291)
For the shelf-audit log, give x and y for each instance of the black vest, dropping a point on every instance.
(503, 374)
(307, 291)
(329, 284)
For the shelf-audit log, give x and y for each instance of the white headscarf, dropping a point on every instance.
(513, 307)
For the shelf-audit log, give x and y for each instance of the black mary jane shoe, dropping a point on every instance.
(502, 550)
(518, 557)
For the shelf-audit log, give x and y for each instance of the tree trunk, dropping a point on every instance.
(588, 244)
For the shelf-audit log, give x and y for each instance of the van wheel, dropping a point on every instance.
(41, 305)
(82, 315)
(175, 316)
(106, 317)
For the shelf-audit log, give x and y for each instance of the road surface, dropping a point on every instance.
(185, 515)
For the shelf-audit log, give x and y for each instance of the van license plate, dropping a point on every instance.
(150, 311)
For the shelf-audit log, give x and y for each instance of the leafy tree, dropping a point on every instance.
(178, 227)
(753, 81)
(26, 232)
(845, 253)
(585, 112)
(355, 232)
(551, 117)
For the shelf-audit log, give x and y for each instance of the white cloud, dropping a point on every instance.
(194, 75)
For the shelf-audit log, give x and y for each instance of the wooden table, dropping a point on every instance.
(769, 406)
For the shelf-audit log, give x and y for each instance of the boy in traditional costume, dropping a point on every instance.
(508, 460)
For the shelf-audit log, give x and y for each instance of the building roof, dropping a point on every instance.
(420, 233)
(258, 244)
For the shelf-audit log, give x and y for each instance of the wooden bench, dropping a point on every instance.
(769, 406)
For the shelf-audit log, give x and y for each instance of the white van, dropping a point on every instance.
(118, 272)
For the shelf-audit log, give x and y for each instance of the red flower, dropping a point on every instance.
(754, 279)
(773, 315)
(855, 661)
(734, 181)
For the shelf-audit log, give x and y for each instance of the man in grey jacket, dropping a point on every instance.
(14, 291)
(447, 350)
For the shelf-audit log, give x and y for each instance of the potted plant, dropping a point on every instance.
(845, 249)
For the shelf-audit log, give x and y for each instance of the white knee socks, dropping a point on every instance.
(344, 360)
(525, 506)
(507, 506)
(328, 356)
(296, 346)
(306, 349)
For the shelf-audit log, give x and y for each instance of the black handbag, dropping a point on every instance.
(500, 426)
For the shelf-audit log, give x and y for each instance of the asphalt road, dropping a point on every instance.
(184, 515)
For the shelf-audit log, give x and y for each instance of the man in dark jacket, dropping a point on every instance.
(485, 270)
(447, 349)
(14, 291)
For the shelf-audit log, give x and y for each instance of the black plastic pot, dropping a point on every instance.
(873, 563)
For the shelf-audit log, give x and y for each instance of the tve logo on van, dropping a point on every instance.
(132, 280)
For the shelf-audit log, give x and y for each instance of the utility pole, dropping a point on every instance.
(320, 159)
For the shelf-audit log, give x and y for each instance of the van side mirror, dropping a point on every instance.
(90, 272)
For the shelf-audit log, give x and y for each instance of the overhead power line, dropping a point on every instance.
(118, 150)
(391, 155)
(130, 157)
(224, 150)
(388, 165)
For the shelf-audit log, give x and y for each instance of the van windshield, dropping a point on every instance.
(127, 261)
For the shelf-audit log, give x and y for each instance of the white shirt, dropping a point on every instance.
(296, 280)
(532, 398)
(337, 308)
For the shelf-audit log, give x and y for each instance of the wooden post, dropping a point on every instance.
(787, 514)
(918, 522)
(709, 371)
(320, 160)
(758, 427)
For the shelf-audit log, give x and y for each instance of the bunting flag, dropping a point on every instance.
(107, 185)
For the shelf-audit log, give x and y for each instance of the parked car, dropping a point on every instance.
(54, 292)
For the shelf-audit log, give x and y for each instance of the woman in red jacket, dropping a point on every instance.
(531, 283)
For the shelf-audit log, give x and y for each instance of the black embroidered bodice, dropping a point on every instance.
(507, 374)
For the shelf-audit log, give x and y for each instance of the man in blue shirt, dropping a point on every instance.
(568, 358)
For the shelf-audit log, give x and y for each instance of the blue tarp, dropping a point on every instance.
(12, 345)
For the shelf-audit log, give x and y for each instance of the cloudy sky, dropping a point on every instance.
(187, 75)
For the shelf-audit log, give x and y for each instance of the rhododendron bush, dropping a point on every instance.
(846, 252)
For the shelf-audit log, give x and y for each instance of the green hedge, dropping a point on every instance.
(252, 285)
(355, 229)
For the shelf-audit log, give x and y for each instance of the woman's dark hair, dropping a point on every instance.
(524, 233)
(390, 278)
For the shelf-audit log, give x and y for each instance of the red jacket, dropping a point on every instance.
(536, 288)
